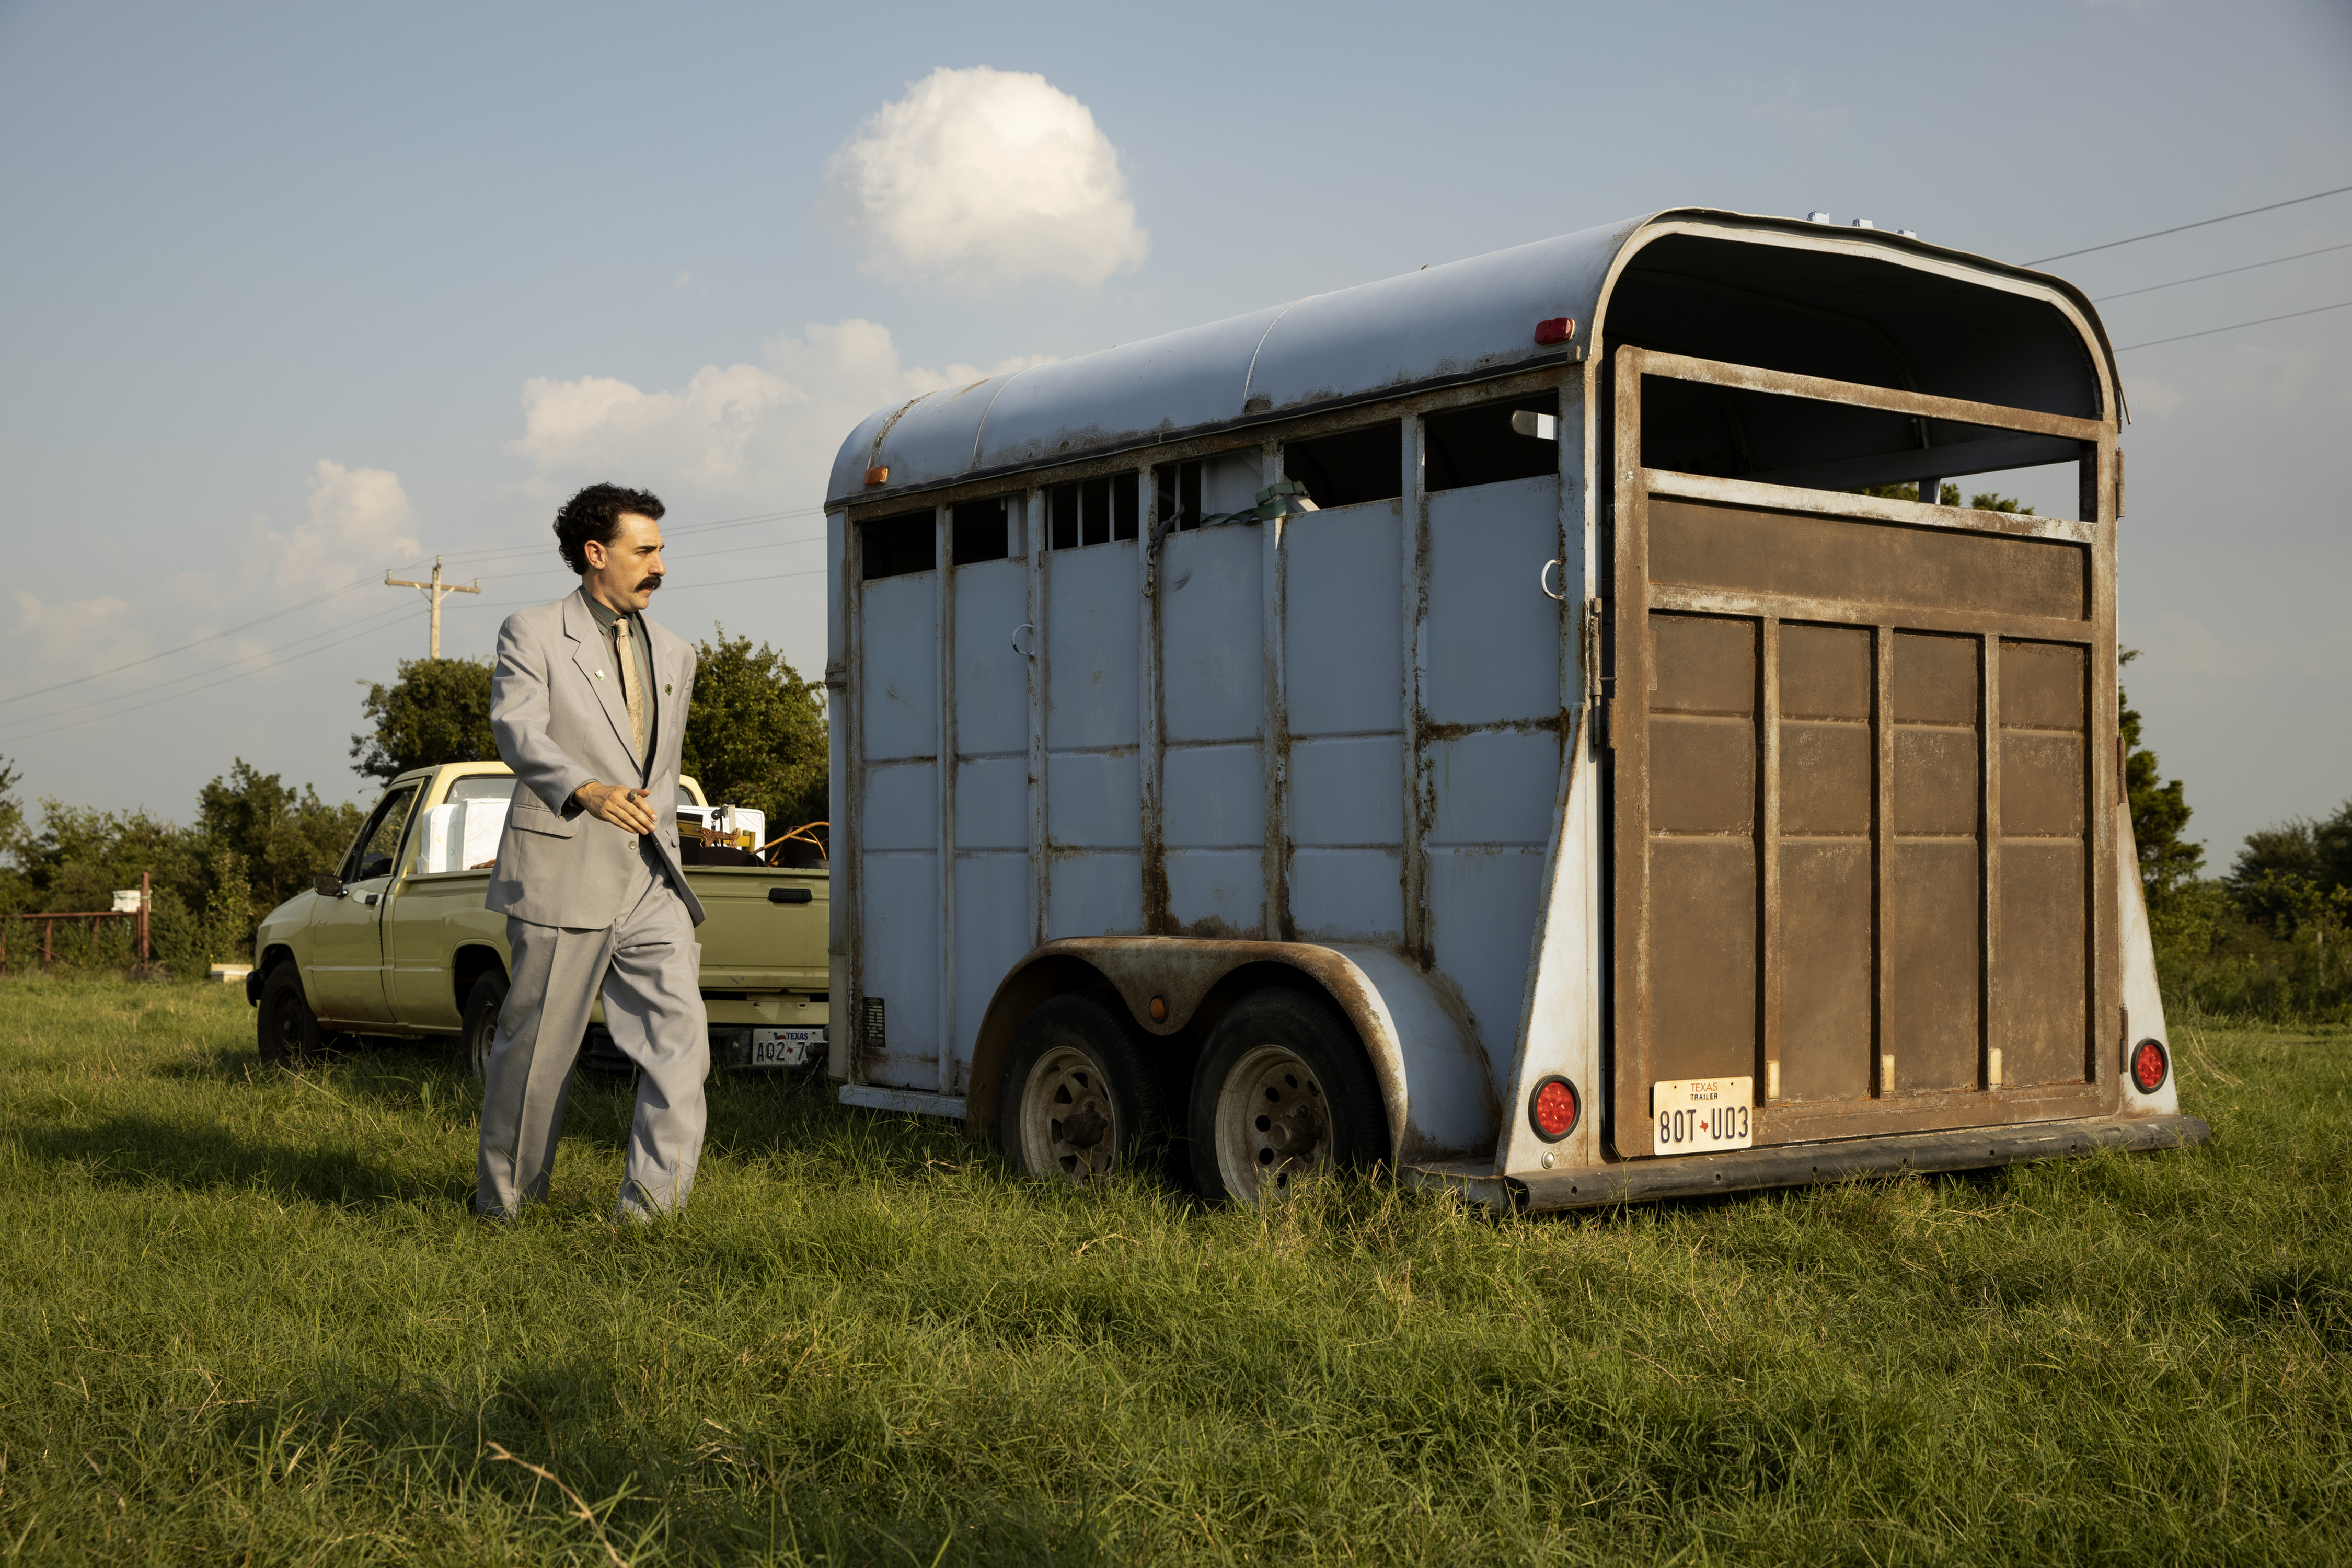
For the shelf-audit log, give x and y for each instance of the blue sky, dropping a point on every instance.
(292, 295)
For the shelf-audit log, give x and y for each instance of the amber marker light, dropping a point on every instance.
(1159, 1009)
(1553, 1109)
(877, 476)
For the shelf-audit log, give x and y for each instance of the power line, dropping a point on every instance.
(372, 622)
(731, 581)
(684, 588)
(697, 555)
(378, 623)
(723, 522)
(2233, 326)
(2183, 228)
(744, 521)
(2248, 267)
(213, 637)
(176, 695)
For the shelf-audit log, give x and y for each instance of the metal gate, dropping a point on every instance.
(1864, 781)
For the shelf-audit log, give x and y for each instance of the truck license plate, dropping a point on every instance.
(786, 1048)
(1698, 1114)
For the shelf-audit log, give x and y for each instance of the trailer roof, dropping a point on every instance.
(1862, 305)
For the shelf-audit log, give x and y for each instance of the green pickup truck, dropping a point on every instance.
(396, 941)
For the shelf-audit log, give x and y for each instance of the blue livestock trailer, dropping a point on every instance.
(1530, 724)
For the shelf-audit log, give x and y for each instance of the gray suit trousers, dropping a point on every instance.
(646, 963)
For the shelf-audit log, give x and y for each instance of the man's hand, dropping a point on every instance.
(623, 808)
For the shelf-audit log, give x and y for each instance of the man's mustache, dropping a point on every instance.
(649, 585)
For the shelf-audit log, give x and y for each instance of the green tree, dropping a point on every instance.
(12, 829)
(2284, 872)
(756, 735)
(437, 711)
(279, 835)
(1950, 495)
(2159, 811)
(12, 815)
(81, 855)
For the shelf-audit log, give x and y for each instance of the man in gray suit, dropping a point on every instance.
(589, 705)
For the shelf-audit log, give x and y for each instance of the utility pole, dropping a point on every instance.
(434, 591)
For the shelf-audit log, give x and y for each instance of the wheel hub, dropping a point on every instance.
(286, 1024)
(1067, 1123)
(1273, 1124)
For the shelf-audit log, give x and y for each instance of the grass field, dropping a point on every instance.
(250, 1319)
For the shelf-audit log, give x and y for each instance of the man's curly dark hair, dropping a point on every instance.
(595, 513)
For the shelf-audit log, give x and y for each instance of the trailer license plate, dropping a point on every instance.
(786, 1048)
(1698, 1114)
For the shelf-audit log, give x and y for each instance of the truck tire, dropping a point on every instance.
(1284, 1090)
(481, 1027)
(286, 1031)
(1080, 1095)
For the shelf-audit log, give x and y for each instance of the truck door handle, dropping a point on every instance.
(790, 896)
(1543, 581)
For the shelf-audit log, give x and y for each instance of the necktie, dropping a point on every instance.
(631, 691)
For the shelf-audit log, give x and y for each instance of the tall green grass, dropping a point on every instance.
(249, 1317)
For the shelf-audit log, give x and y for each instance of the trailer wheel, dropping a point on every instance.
(285, 1029)
(1079, 1091)
(481, 1028)
(1284, 1090)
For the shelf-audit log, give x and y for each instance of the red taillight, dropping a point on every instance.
(1552, 1108)
(1558, 329)
(2149, 1066)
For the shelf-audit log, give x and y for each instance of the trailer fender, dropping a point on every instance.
(1435, 1080)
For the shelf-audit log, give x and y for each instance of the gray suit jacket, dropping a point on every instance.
(560, 719)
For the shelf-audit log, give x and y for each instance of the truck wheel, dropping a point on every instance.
(481, 1028)
(286, 1029)
(1079, 1089)
(1283, 1090)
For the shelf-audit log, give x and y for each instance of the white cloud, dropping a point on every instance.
(738, 433)
(2187, 649)
(76, 631)
(1800, 107)
(360, 523)
(2275, 378)
(980, 178)
(699, 432)
(2151, 399)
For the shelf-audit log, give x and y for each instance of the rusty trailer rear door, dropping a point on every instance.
(1856, 749)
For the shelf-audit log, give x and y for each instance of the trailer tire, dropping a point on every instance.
(285, 1029)
(1283, 1089)
(1079, 1094)
(481, 1029)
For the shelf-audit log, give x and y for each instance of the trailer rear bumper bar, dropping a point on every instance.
(1802, 1164)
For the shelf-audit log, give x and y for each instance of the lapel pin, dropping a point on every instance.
(664, 689)
(600, 674)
